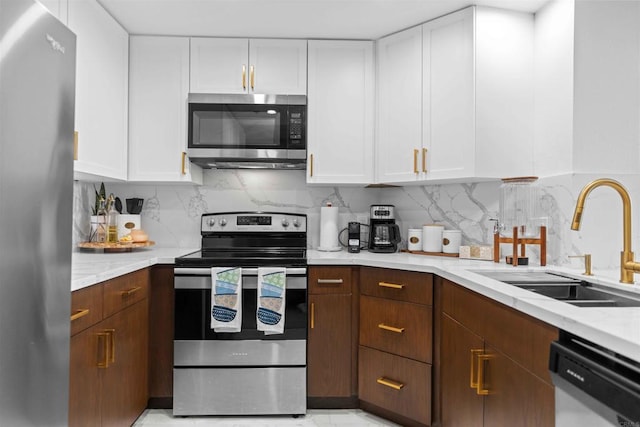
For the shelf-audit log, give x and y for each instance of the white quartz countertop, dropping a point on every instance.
(89, 268)
(617, 328)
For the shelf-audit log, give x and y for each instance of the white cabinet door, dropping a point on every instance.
(101, 92)
(219, 65)
(399, 140)
(448, 96)
(58, 8)
(159, 73)
(278, 66)
(478, 94)
(340, 112)
(248, 66)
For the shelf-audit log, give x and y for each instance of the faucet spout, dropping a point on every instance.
(627, 264)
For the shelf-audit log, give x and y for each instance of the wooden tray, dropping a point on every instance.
(430, 253)
(115, 247)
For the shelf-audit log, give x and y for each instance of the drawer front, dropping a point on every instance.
(397, 285)
(396, 327)
(124, 291)
(394, 383)
(329, 280)
(86, 308)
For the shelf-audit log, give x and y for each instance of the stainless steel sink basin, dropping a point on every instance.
(580, 293)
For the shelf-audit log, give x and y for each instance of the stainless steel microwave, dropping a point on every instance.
(247, 131)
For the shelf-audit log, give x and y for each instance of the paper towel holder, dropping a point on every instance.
(329, 229)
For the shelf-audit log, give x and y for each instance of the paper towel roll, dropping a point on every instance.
(329, 229)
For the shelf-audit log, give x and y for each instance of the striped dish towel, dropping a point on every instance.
(271, 299)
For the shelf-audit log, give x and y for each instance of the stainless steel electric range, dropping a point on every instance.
(245, 372)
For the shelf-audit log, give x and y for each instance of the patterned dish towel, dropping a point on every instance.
(271, 299)
(226, 299)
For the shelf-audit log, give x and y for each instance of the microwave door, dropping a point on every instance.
(231, 126)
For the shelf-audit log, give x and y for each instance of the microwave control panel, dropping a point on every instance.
(295, 125)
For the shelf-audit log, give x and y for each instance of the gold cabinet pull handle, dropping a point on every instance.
(313, 315)
(252, 76)
(184, 163)
(104, 336)
(112, 344)
(244, 77)
(130, 292)
(390, 285)
(311, 165)
(75, 145)
(79, 313)
(330, 281)
(390, 328)
(415, 161)
(480, 389)
(390, 383)
(473, 377)
(424, 160)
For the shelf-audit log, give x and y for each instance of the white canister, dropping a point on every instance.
(432, 237)
(128, 222)
(414, 239)
(451, 240)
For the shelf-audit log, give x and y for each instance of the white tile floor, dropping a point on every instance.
(314, 417)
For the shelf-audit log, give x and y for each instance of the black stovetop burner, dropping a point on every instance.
(250, 239)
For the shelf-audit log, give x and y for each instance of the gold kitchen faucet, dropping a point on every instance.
(628, 266)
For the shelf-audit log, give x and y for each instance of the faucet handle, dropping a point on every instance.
(587, 263)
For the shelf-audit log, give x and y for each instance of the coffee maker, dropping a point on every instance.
(384, 234)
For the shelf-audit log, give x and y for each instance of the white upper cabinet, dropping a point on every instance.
(274, 66)
(101, 92)
(58, 8)
(475, 96)
(340, 116)
(159, 74)
(399, 140)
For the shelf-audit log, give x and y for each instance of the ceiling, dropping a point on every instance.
(333, 19)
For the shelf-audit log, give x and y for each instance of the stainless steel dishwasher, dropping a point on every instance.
(595, 387)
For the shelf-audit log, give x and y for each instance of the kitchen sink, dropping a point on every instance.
(577, 292)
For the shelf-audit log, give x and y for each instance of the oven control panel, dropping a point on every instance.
(253, 221)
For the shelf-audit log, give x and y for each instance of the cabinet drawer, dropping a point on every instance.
(396, 327)
(397, 285)
(86, 308)
(329, 280)
(394, 383)
(124, 291)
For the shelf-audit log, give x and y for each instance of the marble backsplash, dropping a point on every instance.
(171, 212)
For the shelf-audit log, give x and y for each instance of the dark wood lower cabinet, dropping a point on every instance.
(161, 337)
(492, 364)
(109, 383)
(461, 405)
(398, 384)
(125, 382)
(331, 343)
(329, 347)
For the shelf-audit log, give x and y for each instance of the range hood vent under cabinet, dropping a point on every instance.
(243, 131)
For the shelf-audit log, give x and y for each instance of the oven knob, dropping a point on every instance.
(285, 222)
(223, 222)
(212, 222)
(296, 223)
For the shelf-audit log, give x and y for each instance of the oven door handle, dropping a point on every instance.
(182, 271)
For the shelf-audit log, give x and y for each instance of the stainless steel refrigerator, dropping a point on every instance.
(37, 91)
